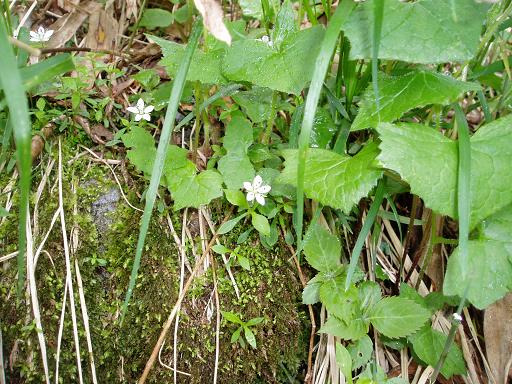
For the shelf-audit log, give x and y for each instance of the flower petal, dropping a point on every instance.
(140, 105)
(138, 117)
(148, 109)
(146, 117)
(264, 189)
(41, 30)
(250, 196)
(260, 199)
(33, 35)
(47, 35)
(257, 182)
(247, 186)
(132, 110)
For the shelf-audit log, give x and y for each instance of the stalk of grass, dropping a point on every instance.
(367, 226)
(378, 16)
(10, 81)
(156, 173)
(464, 211)
(321, 67)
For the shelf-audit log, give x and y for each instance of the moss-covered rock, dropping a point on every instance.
(105, 254)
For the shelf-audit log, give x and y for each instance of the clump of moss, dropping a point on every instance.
(270, 290)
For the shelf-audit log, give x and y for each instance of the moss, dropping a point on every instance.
(270, 290)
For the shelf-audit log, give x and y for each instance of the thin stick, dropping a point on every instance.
(49, 51)
(167, 325)
(20, 44)
(2, 370)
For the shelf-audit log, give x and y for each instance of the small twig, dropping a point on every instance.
(48, 51)
(20, 44)
(167, 325)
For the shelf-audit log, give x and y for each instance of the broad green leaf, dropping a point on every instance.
(155, 18)
(428, 344)
(244, 262)
(235, 166)
(251, 8)
(361, 352)
(351, 330)
(220, 249)
(249, 336)
(339, 181)
(143, 152)
(230, 224)
(236, 197)
(489, 272)
(285, 24)
(288, 69)
(498, 226)
(257, 103)
(311, 292)
(424, 31)
(205, 66)
(398, 94)
(322, 249)
(397, 317)
(323, 129)
(428, 162)
(369, 294)
(260, 223)
(236, 335)
(344, 361)
(197, 190)
(231, 317)
(340, 302)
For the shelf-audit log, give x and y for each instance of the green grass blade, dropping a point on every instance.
(156, 173)
(367, 226)
(46, 70)
(321, 67)
(10, 81)
(378, 12)
(485, 107)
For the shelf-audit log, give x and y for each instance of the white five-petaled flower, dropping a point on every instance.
(457, 317)
(141, 111)
(256, 190)
(41, 35)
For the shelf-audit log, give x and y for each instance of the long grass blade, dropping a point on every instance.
(378, 16)
(367, 226)
(321, 67)
(10, 81)
(156, 173)
(464, 211)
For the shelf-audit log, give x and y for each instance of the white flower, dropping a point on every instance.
(41, 35)
(141, 112)
(267, 40)
(256, 190)
(457, 317)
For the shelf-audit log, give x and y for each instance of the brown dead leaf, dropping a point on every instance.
(498, 338)
(38, 140)
(102, 31)
(67, 26)
(68, 5)
(213, 19)
(131, 8)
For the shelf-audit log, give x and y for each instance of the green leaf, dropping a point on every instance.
(288, 69)
(361, 352)
(254, 321)
(311, 293)
(236, 335)
(428, 344)
(498, 226)
(260, 223)
(322, 249)
(285, 24)
(198, 190)
(323, 129)
(46, 70)
(257, 103)
(230, 224)
(143, 152)
(205, 66)
(235, 166)
(249, 336)
(351, 330)
(338, 301)
(244, 262)
(398, 94)
(425, 31)
(236, 197)
(489, 272)
(220, 249)
(428, 162)
(339, 181)
(155, 18)
(397, 317)
(344, 361)
(231, 317)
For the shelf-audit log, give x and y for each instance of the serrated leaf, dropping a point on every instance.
(311, 293)
(428, 162)
(288, 69)
(336, 180)
(205, 66)
(398, 94)
(428, 344)
(338, 301)
(488, 269)
(322, 249)
(361, 352)
(235, 166)
(260, 223)
(425, 31)
(352, 330)
(397, 317)
(249, 336)
(344, 360)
